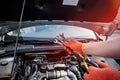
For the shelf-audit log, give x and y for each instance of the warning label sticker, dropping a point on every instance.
(70, 2)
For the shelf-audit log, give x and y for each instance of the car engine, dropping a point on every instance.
(48, 67)
(45, 65)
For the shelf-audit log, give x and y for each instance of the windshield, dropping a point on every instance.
(51, 31)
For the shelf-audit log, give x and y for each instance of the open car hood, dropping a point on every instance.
(97, 15)
(77, 10)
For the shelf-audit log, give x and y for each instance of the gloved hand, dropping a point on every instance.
(73, 45)
(105, 72)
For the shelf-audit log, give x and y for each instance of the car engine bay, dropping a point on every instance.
(46, 65)
(57, 68)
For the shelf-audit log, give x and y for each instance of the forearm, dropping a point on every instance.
(109, 48)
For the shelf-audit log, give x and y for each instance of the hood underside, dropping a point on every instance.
(97, 15)
(76, 10)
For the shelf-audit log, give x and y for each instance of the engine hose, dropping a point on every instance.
(42, 77)
(53, 75)
(71, 75)
(58, 74)
(35, 72)
(75, 70)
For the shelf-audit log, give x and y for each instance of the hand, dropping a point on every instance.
(73, 45)
(105, 72)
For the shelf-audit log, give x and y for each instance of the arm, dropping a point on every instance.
(110, 48)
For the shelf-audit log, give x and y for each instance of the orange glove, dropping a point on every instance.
(106, 72)
(73, 45)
